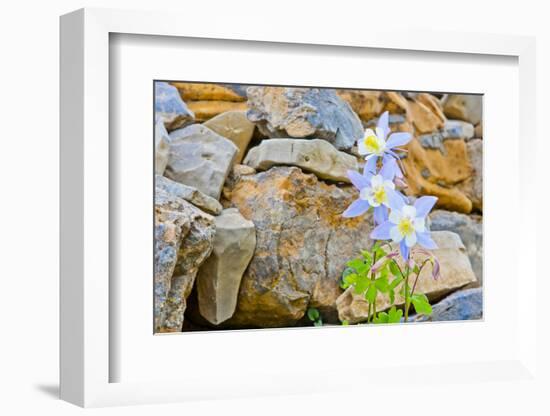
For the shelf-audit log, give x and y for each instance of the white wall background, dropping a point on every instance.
(29, 100)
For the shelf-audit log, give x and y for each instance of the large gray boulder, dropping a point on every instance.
(220, 275)
(200, 158)
(170, 108)
(316, 156)
(195, 246)
(304, 113)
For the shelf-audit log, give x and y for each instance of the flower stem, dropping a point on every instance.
(407, 300)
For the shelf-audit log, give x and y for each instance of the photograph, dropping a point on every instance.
(288, 206)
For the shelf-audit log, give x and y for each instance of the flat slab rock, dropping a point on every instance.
(456, 272)
(190, 194)
(315, 156)
(302, 245)
(304, 113)
(162, 147)
(220, 275)
(200, 158)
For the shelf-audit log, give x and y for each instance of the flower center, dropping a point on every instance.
(405, 227)
(372, 144)
(379, 195)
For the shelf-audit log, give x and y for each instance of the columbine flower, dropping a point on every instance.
(407, 225)
(377, 191)
(374, 145)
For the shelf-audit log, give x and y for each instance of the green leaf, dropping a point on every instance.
(394, 315)
(367, 256)
(382, 318)
(392, 295)
(395, 282)
(345, 322)
(382, 284)
(394, 269)
(416, 269)
(371, 293)
(348, 279)
(313, 314)
(318, 323)
(362, 283)
(356, 264)
(421, 304)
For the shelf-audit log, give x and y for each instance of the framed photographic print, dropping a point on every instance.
(281, 213)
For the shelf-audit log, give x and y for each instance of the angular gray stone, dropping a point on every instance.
(220, 275)
(190, 194)
(195, 247)
(170, 228)
(463, 305)
(315, 156)
(467, 107)
(453, 130)
(233, 125)
(474, 187)
(200, 158)
(470, 230)
(162, 147)
(304, 113)
(170, 108)
(458, 129)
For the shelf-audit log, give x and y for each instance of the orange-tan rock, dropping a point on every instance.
(302, 245)
(205, 110)
(190, 91)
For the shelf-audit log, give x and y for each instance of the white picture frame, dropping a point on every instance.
(86, 354)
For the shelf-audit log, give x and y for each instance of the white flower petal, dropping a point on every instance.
(389, 184)
(396, 235)
(409, 211)
(395, 216)
(410, 240)
(377, 181)
(361, 148)
(365, 193)
(419, 224)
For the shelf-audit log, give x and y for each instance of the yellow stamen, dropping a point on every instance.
(380, 195)
(371, 143)
(405, 227)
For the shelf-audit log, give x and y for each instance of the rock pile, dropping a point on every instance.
(250, 186)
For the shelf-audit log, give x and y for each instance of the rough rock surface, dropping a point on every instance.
(316, 156)
(195, 247)
(190, 91)
(200, 158)
(162, 147)
(426, 113)
(220, 276)
(473, 186)
(190, 194)
(235, 126)
(460, 306)
(456, 272)
(304, 113)
(205, 110)
(366, 104)
(463, 107)
(170, 107)
(302, 245)
(170, 228)
(470, 230)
